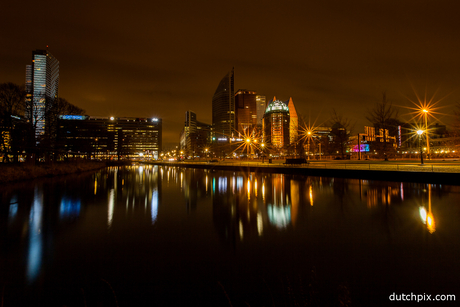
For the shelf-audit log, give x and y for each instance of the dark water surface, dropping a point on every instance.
(169, 236)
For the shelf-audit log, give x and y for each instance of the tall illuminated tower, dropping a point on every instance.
(223, 107)
(42, 83)
(246, 111)
(276, 124)
(190, 131)
(261, 105)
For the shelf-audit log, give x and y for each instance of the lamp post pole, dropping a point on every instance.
(262, 145)
(359, 147)
(426, 131)
(419, 132)
(320, 149)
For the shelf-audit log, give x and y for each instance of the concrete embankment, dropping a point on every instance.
(18, 172)
(408, 174)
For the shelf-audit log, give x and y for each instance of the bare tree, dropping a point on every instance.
(12, 103)
(62, 107)
(383, 117)
(11, 100)
(341, 129)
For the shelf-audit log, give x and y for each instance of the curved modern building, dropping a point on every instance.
(223, 107)
(276, 124)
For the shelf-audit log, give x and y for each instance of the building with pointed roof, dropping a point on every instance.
(294, 121)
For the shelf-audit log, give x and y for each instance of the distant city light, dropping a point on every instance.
(73, 117)
(112, 118)
(154, 119)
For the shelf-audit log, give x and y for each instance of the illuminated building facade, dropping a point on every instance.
(261, 105)
(223, 107)
(294, 122)
(103, 137)
(276, 124)
(190, 131)
(246, 111)
(195, 137)
(42, 83)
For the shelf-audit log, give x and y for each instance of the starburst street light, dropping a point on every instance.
(307, 133)
(424, 107)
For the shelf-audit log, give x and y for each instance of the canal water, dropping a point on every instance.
(171, 236)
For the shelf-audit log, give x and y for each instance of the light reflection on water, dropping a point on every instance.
(34, 256)
(242, 210)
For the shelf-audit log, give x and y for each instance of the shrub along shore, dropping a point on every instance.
(22, 171)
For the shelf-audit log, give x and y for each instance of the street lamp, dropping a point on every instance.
(309, 137)
(420, 132)
(248, 148)
(206, 150)
(426, 129)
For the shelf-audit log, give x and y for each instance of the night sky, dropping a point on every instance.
(162, 58)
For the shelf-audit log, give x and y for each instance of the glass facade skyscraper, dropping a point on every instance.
(246, 111)
(42, 83)
(261, 105)
(223, 107)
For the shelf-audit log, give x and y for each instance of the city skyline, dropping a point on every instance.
(160, 60)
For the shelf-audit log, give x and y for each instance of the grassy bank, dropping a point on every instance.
(17, 172)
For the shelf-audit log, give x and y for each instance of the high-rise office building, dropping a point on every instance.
(42, 83)
(195, 137)
(276, 124)
(190, 131)
(223, 107)
(246, 111)
(261, 104)
(110, 137)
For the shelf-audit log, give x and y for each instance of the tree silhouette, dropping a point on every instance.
(383, 117)
(341, 129)
(12, 103)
